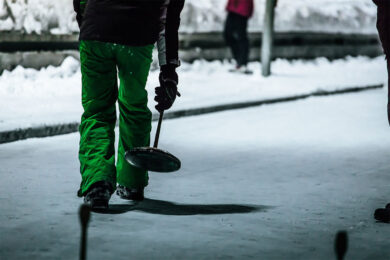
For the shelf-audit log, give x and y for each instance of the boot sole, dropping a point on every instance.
(131, 197)
(99, 204)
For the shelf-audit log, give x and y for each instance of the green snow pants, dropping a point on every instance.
(100, 64)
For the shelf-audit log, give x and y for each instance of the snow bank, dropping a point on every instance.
(30, 97)
(347, 16)
(52, 95)
(37, 16)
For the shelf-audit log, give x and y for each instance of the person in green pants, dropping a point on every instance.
(112, 45)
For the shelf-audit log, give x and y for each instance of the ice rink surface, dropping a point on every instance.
(270, 182)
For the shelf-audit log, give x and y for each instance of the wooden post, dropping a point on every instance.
(268, 37)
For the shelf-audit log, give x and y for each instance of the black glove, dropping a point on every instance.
(167, 91)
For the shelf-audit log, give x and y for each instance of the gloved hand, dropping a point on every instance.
(167, 91)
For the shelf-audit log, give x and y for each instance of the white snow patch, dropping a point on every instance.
(6, 25)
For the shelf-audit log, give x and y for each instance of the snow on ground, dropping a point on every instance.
(348, 16)
(37, 16)
(52, 95)
(272, 182)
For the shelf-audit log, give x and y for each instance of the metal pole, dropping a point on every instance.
(84, 214)
(158, 129)
(268, 37)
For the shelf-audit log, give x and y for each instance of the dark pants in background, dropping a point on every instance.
(383, 25)
(235, 34)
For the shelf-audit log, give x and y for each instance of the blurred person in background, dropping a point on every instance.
(383, 26)
(117, 39)
(236, 33)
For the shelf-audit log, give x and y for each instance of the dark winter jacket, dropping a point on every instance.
(383, 25)
(133, 22)
(241, 7)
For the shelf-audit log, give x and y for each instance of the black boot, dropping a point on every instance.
(136, 194)
(98, 195)
(383, 215)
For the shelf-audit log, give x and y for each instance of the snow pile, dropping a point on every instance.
(352, 16)
(52, 95)
(348, 16)
(37, 16)
(30, 97)
(26, 82)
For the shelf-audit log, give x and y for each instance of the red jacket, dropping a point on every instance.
(241, 7)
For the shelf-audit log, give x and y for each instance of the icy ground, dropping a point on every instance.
(271, 182)
(52, 95)
(346, 16)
